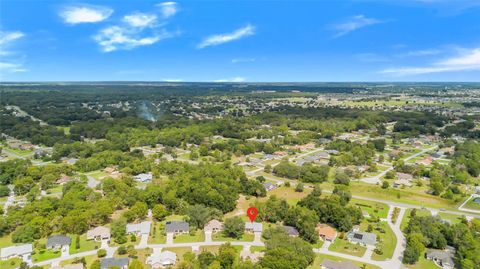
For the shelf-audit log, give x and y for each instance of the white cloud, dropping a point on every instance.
(7, 37)
(11, 67)
(168, 9)
(85, 14)
(234, 79)
(115, 37)
(425, 52)
(352, 24)
(139, 19)
(215, 40)
(243, 60)
(467, 60)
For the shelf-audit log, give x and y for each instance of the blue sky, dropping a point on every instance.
(357, 40)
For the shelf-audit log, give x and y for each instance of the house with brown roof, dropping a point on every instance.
(62, 180)
(326, 232)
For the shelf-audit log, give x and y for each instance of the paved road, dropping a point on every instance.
(461, 207)
(376, 179)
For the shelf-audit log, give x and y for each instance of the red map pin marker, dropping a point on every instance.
(252, 213)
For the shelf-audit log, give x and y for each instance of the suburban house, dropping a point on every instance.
(20, 251)
(139, 228)
(329, 264)
(143, 177)
(425, 161)
(403, 180)
(99, 233)
(58, 241)
(69, 266)
(269, 186)
(253, 227)
(476, 200)
(291, 231)
(362, 238)
(443, 258)
(107, 263)
(162, 259)
(326, 232)
(177, 227)
(213, 226)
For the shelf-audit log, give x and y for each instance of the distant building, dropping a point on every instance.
(107, 263)
(291, 231)
(143, 177)
(329, 264)
(213, 226)
(177, 227)
(326, 232)
(362, 238)
(139, 228)
(269, 186)
(162, 259)
(442, 258)
(99, 233)
(253, 227)
(403, 180)
(63, 179)
(20, 251)
(58, 241)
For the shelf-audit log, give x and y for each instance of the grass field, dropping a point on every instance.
(85, 245)
(406, 216)
(6, 241)
(157, 233)
(98, 174)
(374, 209)
(343, 246)
(471, 205)
(246, 237)
(214, 249)
(386, 240)
(42, 255)
(319, 258)
(179, 251)
(10, 263)
(453, 219)
(199, 236)
(422, 264)
(89, 259)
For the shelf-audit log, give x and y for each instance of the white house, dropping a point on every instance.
(139, 228)
(20, 251)
(162, 259)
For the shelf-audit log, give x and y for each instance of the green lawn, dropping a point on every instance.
(386, 240)
(320, 257)
(85, 245)
(179, 251)
(406, 216)
(11, 263)
(89, 259)
(256, 248)
(6, 241)
(97, 174)
(199, 236)
(221, 237)
(157, 234)
(453, 219)
(343, 246)
(422, 264)
(471, 205)
(214, 249)
(44, 254)
(376, 209)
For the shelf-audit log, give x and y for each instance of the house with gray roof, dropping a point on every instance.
(20, 251)
(329, 264)
(362, 238)
(58, 241)
(443, 258)
(253, 227)
(106, 263)
(291, 231)
(143, 177)
(139, 228)
(177, 227)
(269, 186)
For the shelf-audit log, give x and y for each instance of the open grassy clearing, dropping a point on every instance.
(319, 258)
(343, 246)
(85, 245)
(406, 216)
(198, 236)
(374, 209)
(246, 237)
